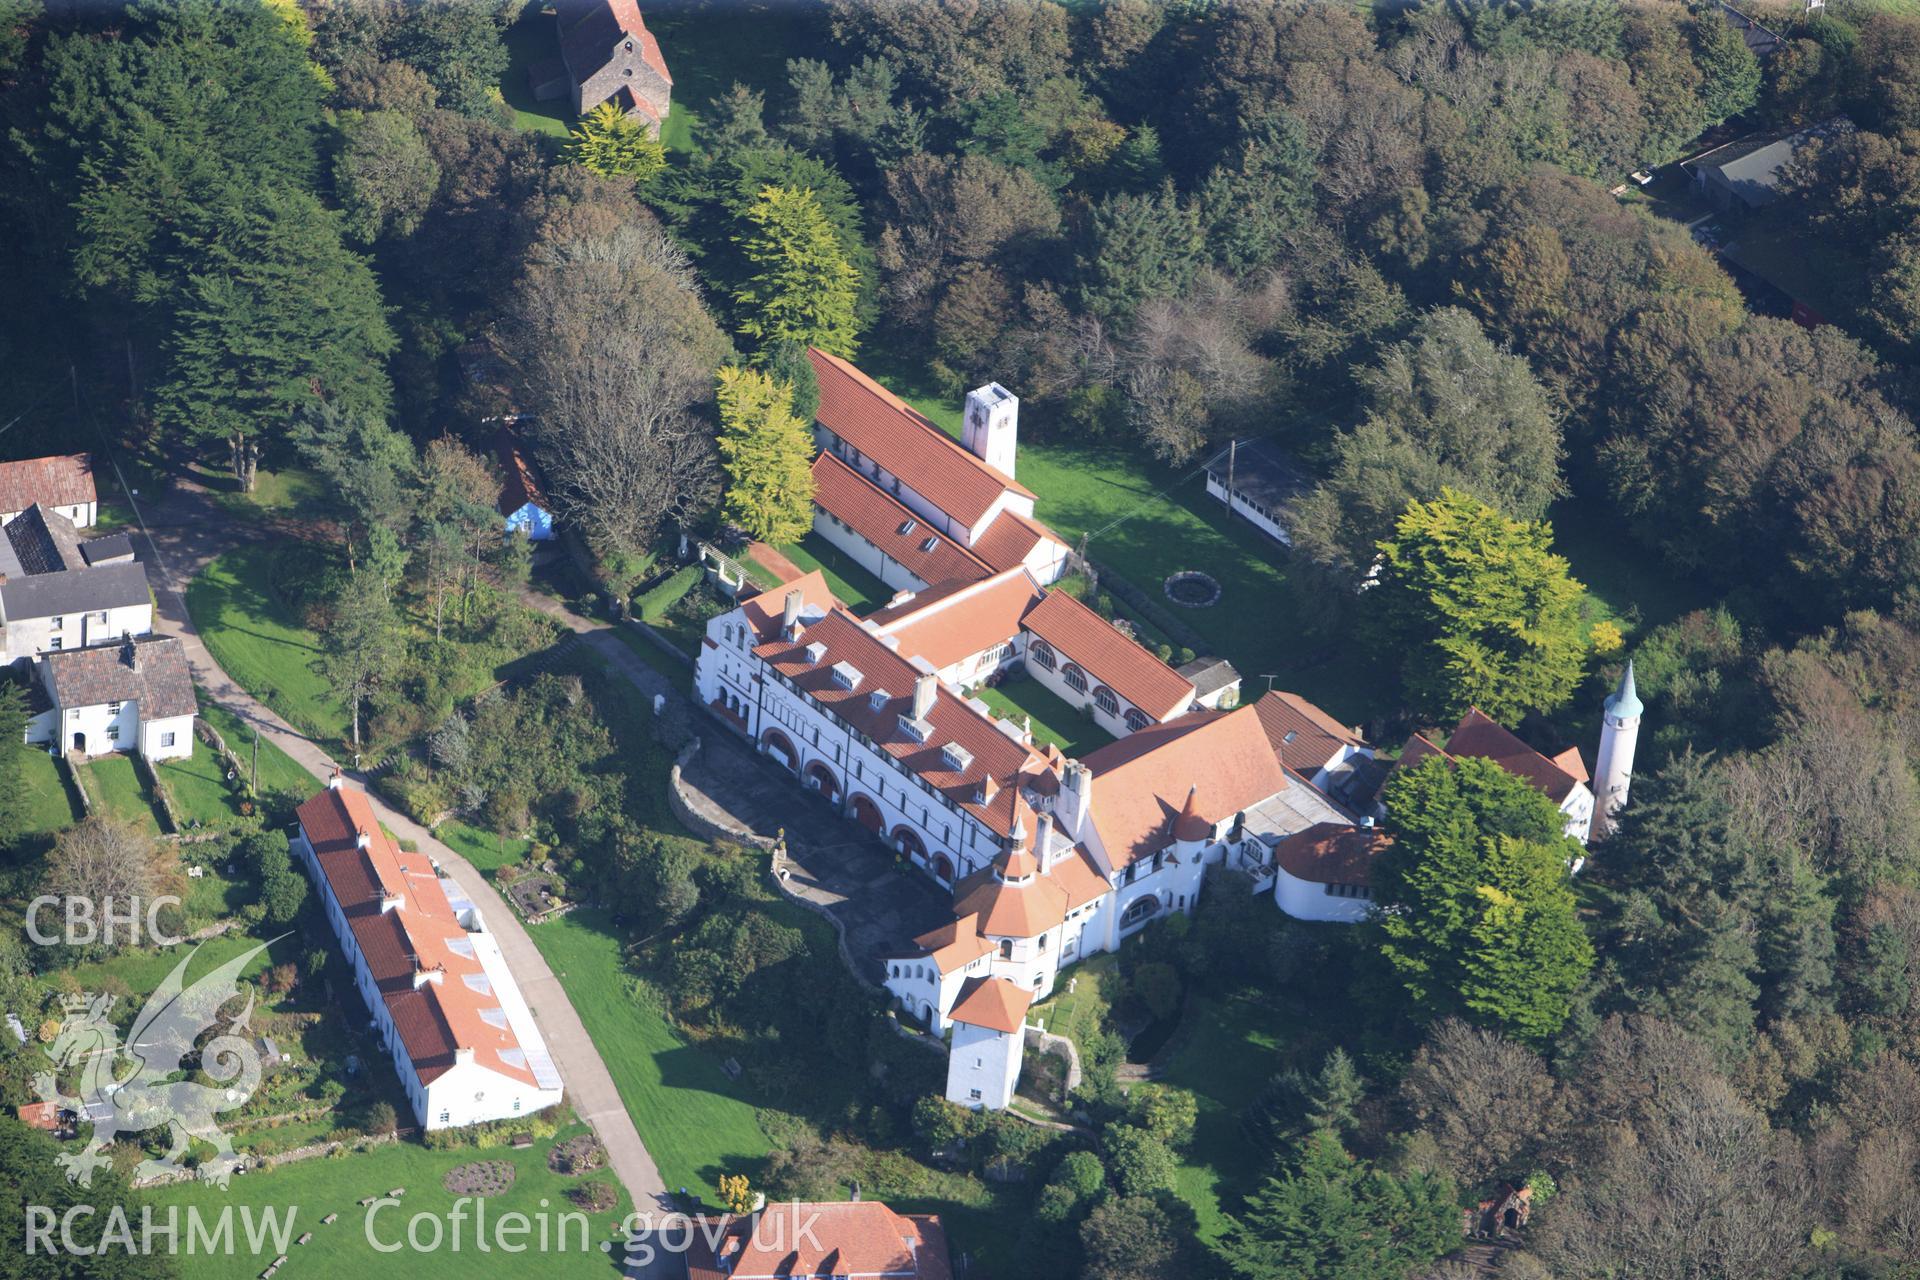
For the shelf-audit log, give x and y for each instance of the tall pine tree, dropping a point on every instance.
(800, 286)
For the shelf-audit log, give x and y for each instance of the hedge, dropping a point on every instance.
(653, 603)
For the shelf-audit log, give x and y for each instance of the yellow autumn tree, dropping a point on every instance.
(767, 452)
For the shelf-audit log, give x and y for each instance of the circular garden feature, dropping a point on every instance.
(480, 1178)
(1192, 589)
(594, 1197)
(583, 1154)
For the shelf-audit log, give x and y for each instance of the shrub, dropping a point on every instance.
(653, 603)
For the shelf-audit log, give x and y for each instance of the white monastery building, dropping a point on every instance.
(1049, 858)
(437, 986)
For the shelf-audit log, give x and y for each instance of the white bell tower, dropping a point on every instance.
(1613, 771)
(991, 427)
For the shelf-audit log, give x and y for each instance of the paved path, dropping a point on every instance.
(184, 531)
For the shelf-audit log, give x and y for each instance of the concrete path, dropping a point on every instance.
(183, 532)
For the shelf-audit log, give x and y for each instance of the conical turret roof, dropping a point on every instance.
(1625, 702)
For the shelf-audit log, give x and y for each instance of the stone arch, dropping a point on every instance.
(821, 779)
(777, 744)
(908, 841)
(864, 811)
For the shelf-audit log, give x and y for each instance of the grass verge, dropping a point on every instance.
(259, 642)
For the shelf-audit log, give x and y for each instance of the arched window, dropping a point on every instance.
(1076, 678)
(1136, 719)
(1104, 699)
(1042, 652)
(1006, 948)
(1139, 909)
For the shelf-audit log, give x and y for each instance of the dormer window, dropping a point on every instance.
(957, 757)
(918, 730)
(815, 652)
(846, 676)
(877, 700)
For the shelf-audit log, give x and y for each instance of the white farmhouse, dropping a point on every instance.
(60, 592)
(62, 483)
(441, 996)
(132, 695)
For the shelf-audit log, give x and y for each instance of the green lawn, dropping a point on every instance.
(258, 642)
(710, 46)
(859, 590)
(291, 491)
(278, 770)
(119, 790)
(1079, 1013)
(532, 39)
(696, 1123)
(51, 804)
(680, 673)
(311, 1189)
(198, 785)
(485, 850)
(142, 971)
(1228, 1050)
(1146, 521)
(1054, 719)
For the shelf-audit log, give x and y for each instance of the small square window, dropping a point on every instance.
(975, 1094)
(166, 739)
(54, 644)
(113, 733)
(57, 621)
(113, 708)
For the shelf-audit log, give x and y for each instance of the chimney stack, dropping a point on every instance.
(790, 614)
(333, 780)
(1076, 796)
(924, 689)
(1043, 842)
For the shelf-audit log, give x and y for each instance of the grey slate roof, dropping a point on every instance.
(47, 595)
(44, 541)
(151, 670)
(115, 546)
(1262, 472)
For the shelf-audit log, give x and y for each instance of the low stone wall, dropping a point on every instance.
(839, 929)
(696, 814)
(1043, 1041)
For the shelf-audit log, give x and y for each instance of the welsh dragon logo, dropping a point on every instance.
(155, 1093)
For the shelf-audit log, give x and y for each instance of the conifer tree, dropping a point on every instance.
(1337, 1218)
(1478, 611)
(800, 286)
(767, 452)
(610, 143)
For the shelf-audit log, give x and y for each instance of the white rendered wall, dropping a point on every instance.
(983, 1062)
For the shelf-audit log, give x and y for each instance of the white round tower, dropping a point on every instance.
(1613, 771)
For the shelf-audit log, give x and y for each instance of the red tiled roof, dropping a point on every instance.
(765, 610)
(991, 753)
(589, 30)
(841, 491)
(861, 1240)
(1481, 736)
(1331, 853)
(1082, 636)
(993, 1003)
(420, 935)
(926, 459)
(1011, 538)
(1304, 736)
(955, 945)
(1141, 782)
(520, 486)
(62, 480)
(1029, 910)
(959, 624)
